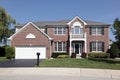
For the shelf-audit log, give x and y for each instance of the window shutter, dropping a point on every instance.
(103, 46)
(90, 47)
(90, 29)
(102, 30)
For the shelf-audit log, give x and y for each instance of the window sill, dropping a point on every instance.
(59, 51)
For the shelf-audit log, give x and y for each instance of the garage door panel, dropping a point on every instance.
(30, 52)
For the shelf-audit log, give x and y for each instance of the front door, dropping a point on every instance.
(78, 48)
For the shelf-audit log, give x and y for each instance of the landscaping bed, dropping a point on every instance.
(97, 63)
(3, 59)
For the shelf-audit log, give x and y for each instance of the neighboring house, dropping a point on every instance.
(65, 36)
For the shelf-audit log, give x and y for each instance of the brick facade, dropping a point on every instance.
(20, 39)
(41, 40)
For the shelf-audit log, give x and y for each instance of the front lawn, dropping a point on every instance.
(3, 59)
(82, 63)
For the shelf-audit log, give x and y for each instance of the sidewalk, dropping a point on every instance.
(81, 73)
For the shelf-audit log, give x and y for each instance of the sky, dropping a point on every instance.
(51, 10)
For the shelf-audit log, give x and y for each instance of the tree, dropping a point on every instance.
(5, 22)
(114, 51)
(116, 31)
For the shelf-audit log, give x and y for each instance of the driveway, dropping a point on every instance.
(19, 63)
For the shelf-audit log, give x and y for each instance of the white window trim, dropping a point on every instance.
(96, 48)
(62, 31)
(96, 31)
(57, 47)
(79, 33)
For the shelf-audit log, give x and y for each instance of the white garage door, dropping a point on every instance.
(29, 52)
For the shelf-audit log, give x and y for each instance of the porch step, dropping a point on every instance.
(78, 56)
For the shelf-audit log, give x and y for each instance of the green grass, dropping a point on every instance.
(82, 63)
(3, 59)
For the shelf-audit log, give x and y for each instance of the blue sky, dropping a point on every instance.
(50, 10)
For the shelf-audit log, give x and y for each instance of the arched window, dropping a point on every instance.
(77, 28)
(30, 35)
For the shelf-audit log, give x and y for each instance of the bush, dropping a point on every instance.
(114, 51)
(73, 55)
(55, 55)
(9, 52)
(63, 56)
(2, 51)
(98, 55)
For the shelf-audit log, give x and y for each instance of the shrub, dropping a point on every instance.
(98, 55)
(9, 52)
(63, 56)
(114, 51)
(73, 55)
(55, 55)
(2, 51)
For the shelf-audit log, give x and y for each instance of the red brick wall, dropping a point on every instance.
(40, 40)
(57, 38)
(102, 38)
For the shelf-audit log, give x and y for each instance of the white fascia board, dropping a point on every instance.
(26, 26)
(76, 18)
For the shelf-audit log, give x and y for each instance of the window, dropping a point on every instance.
(77, 30)
(60, 30)
(97, 46)
(30, 35)
(96, 31)
(60, 46)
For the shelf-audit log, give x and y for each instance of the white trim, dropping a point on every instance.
(76, 18)
(30, 35)
(58, 30)
(57, 47)
(25, 27)
(80, 48)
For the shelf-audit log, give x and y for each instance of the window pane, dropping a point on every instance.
(93, 30)
(93, 46)
(76, 29)
(59, 30)
(81, 30)
(59, 46)
(55, 46)
(99, 46)
(99, 30)
(64, 30)
(55, 30)
(64, 46)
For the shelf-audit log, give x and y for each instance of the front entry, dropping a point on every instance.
(78, 48)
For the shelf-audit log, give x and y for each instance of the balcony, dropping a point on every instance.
(78, 36)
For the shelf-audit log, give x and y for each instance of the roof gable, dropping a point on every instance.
(75, 19)
(25, 27)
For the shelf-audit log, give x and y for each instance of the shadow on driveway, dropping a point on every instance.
(19, 63)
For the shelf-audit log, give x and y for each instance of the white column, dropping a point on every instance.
(70, 48)
(85, 44)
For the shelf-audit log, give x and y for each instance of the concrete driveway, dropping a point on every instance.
(19, 63)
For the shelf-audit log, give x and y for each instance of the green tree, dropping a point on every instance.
(116, 31)
(114, 50)
(5, 22)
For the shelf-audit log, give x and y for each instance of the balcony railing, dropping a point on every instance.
(77, 36)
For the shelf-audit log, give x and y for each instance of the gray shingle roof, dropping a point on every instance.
(62, 22)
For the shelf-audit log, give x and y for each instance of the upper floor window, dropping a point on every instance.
(60, 30)
(77, 30)
(96, 30)
(96, 46)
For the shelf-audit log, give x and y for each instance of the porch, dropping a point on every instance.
(78, 44)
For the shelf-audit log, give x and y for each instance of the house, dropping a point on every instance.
(66, 36)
